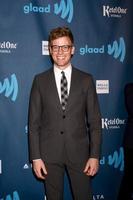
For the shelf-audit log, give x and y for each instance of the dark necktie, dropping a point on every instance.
(64, 92)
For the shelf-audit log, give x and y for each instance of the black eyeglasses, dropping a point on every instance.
(65, 48)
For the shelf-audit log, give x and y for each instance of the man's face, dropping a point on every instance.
(61, 51)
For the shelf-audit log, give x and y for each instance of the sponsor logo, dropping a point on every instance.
(7, 47)
(10, 88)
(27, 166)
(26, 129)
(117, 49)
(95, 197)
(0, 167)
(113, 11)
(90, 50)
(98, 196)
(115, 123)
(45, 49)
(36, 9)
(64, 9)
(15, 196)
(102, 86)
(45, 198)
(116, 159)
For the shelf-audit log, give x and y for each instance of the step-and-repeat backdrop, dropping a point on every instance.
(103, 34)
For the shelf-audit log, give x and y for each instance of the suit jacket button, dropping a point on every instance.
(63, 116)
(61, 132)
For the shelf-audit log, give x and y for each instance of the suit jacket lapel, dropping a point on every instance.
(54, 91)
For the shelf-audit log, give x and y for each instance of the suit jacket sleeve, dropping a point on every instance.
(94, 120)
(35, 108)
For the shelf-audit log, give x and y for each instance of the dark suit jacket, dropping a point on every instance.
(128, 137)
(50, 130)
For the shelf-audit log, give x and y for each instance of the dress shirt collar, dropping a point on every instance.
(67, 70)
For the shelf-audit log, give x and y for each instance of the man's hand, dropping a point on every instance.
(91, 167)
(39, 168)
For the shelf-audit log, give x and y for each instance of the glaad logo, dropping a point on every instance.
(6, 47)
(10, 89)
(115, 123)
(114, 12)
(15, 196)
(116, 160)
(65, 8)
(118, 49)
(90, 50)
(36, 9)
(0, 167)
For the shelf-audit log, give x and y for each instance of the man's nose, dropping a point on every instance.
(60, 49)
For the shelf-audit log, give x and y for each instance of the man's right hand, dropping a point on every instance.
(39, 168)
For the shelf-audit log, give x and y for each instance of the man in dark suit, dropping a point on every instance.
(126, 188)
(63, 102)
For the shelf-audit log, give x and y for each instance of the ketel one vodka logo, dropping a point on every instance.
(7, 46)
(113, 11)
(112, 123)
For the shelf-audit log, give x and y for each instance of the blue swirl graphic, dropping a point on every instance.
(65, 10)
(10, 89)
(117, 159)
(118, 49)
(15, 196)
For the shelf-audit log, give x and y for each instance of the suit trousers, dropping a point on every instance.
(79, 182)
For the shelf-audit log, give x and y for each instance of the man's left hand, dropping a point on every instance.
(91, 167)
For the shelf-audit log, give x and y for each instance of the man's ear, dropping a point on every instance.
(50, 50)
(73, 50)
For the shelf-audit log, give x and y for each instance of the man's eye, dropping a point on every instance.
(65, 47)
(55, 47)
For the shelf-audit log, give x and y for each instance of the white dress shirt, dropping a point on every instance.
(58, 75)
